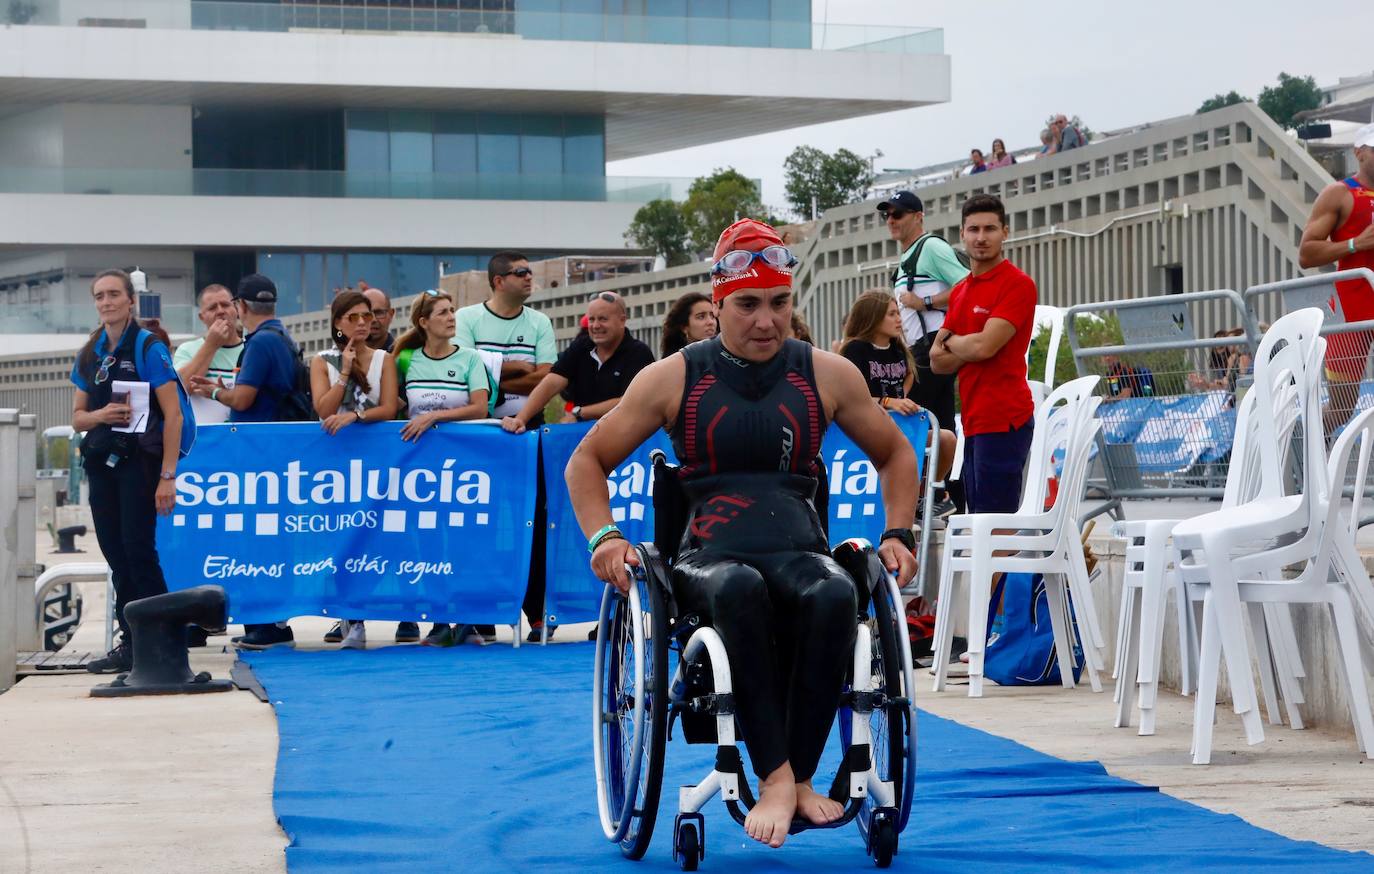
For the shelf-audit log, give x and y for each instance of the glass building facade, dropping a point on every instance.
(759, 23)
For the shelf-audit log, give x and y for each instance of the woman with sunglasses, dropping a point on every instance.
(692, 317)
(132, 471)
(352, 384)
(442, 383)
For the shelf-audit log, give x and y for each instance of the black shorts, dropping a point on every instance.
(994, 465)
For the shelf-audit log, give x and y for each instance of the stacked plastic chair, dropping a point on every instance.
(1043, 541)
(1233, 558)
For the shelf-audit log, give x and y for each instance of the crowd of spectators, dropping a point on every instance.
(493, 360)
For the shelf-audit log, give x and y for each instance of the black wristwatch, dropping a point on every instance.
(929, 302)
(901, 534)
(577, 413)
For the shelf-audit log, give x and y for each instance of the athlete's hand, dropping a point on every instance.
(609, 560)
(898, 559)
(1364, 240)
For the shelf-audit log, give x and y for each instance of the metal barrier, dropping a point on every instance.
(1168, 416)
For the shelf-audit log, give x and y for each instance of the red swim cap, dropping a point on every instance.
(750, 236)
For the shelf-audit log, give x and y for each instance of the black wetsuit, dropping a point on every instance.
(754, 558)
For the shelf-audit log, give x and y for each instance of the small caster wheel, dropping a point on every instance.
(689, 840)
(882, 836)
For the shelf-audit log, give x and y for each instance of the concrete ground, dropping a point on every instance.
(184, 783)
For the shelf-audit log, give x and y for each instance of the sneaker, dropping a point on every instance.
(356, 638)
(267, 637)
(439, 635)
(117, 661)
(407, 632)
(943, 509)
(335, 634)
(536, 628)
(470, 635)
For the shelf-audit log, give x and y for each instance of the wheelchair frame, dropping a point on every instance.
(632, 701)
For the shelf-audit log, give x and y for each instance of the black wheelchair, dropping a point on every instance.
(636, 705)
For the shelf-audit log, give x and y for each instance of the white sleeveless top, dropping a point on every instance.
(354, 398)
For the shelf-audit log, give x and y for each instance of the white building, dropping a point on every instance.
(325, 142)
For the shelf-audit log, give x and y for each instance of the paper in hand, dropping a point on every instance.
(137, 399)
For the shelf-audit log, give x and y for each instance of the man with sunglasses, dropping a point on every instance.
(379, 335)
(747, 411)
(524, 339)
(929, 268)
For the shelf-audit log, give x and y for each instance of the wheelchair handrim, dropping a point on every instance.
(612, 778)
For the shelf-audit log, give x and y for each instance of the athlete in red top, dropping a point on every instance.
(984, 339)
(1341, 229)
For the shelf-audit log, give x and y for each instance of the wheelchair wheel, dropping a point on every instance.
(630, 700)
(893, 725)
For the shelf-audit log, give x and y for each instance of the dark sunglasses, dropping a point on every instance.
(897, 214)
(522, 272)
(607, 296)
(104, 372)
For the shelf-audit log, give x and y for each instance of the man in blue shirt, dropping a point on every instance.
(267, 372)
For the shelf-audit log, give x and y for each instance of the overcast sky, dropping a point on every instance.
(1114, 64)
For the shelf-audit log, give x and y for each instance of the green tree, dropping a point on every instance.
(661, 226)
(1292, 95)
(829, 180)
(714, 202)
(1221, 101)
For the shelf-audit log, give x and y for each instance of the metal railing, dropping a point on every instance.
(18, 538)
(341, 183)
(1169, 395)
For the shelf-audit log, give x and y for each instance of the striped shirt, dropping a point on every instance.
(524, 337)
(223, 365)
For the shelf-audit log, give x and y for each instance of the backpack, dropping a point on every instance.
(909, 264)
(142, 342)
(1023, 654)
(295, 404)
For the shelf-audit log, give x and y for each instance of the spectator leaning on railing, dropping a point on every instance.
(1000, 156)
(131, 471)
(441, 383)
(216, 355)
(976, 162)
(524, 339)
(266, 379)
(354, 384)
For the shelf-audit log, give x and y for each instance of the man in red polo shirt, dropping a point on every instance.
(984, 340)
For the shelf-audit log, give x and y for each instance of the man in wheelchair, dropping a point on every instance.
(746, 411)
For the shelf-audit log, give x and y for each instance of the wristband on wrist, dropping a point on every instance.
(604, 533)
(214, 394)
(903, 535)
(1350, 245)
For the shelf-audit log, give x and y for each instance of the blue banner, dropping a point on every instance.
(292, 521)
(573, 594)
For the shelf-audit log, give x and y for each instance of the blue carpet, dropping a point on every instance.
(480, 759)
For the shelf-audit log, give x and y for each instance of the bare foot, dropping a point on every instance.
(816, 808)
(769, 820)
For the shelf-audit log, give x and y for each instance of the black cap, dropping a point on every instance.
(256, 288)
(902, 200)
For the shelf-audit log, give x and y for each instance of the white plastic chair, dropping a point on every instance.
(1260, 535)
(1044, 541)
(1149, 581)
(1053, 316)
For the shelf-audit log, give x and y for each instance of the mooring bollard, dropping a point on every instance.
(9, 535)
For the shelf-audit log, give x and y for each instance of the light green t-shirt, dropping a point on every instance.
(443, 383)
(938, 270)
(223, 366)
(525, 337)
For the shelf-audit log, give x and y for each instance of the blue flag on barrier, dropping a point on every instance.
(573, 594)
(292, 521)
